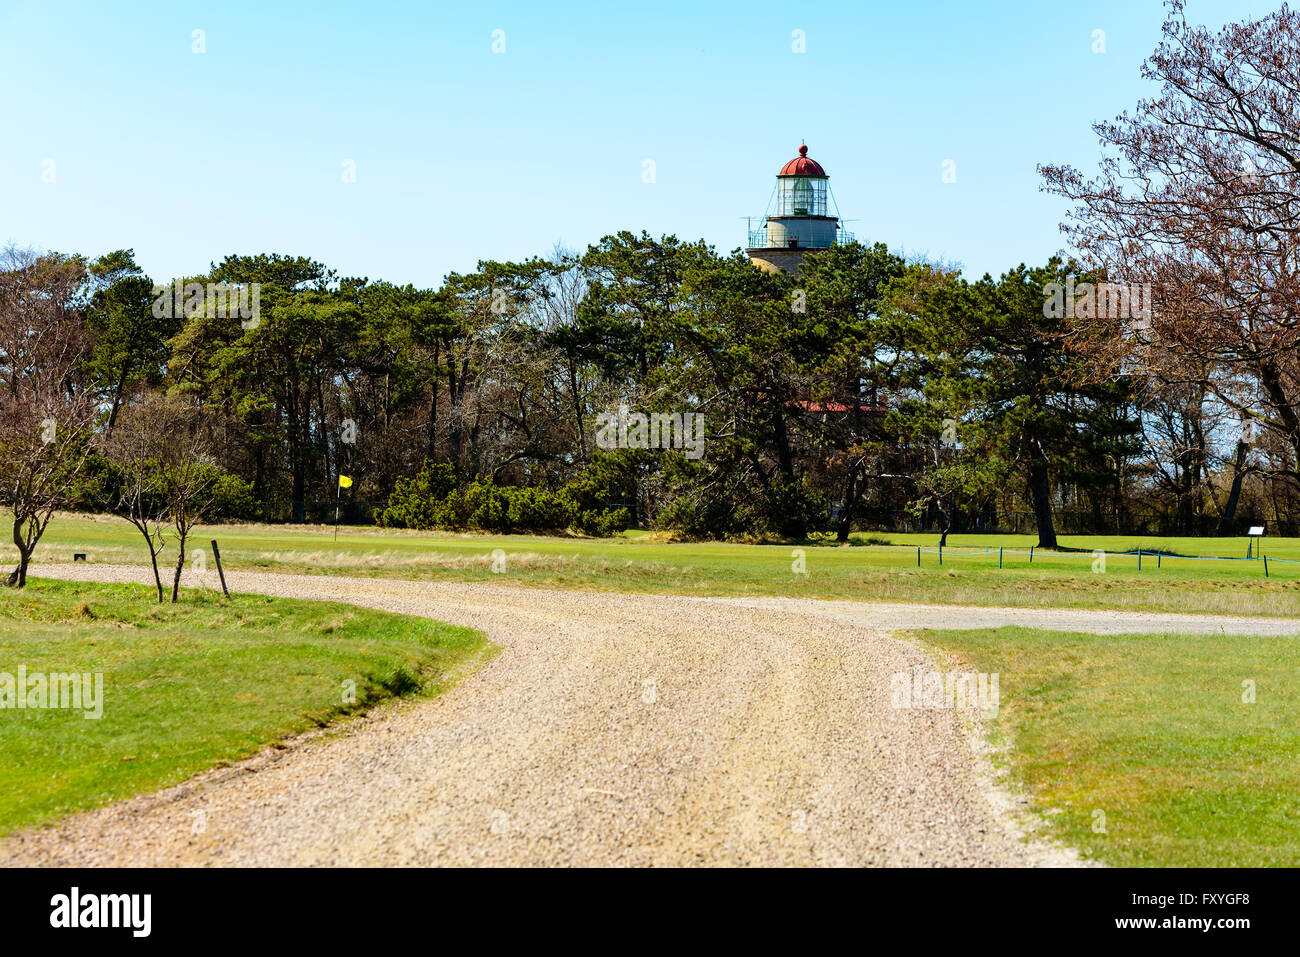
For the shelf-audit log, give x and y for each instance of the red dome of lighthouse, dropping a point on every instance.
(801, 165)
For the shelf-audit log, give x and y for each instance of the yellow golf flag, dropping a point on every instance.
(345, 481)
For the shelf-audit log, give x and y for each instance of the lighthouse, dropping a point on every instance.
(798, 219)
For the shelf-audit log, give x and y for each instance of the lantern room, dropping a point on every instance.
(801, 216)
(801, 187)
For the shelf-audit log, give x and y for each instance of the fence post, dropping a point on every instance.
(1265, 566)
(941, 553)
(999, 556)
(918, 556)
(216, 553)
(1139, 558)
(1159, 555)
(1031, 554)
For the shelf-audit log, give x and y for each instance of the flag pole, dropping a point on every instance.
(338, 497)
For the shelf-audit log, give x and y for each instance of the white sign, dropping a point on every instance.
(1256, 530)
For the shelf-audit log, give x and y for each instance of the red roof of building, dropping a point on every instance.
(810, 406)
(801, 165)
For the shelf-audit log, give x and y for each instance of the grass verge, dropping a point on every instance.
(878, 567)
(1152, 732)
(191, 686)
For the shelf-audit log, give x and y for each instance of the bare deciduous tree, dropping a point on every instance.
(186, 473)
(1199, 195)
(137, 447)
(45, 413)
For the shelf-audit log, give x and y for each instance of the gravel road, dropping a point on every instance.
(611, 730)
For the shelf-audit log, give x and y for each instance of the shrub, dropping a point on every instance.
(539, 509)
(416, 500)
(604, 522)
(431, 499)
(611, 477)
(232, 498)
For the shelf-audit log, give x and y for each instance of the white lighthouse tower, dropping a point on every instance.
(799, 218)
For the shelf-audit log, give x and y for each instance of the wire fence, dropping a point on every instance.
(1068, 521)
(1256, 557)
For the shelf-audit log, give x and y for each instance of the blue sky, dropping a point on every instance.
(464, 154)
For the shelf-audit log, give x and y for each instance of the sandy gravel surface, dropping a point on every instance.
(891, 616)
(611, 730)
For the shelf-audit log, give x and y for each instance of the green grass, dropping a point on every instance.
(1151, 730)
(190, 686)
(877, 567)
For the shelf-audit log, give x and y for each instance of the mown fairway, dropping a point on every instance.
(1152, 732)
(877, 566)
(193, 685)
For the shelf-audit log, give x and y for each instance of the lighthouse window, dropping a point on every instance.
(803, 193)
(801, 196)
